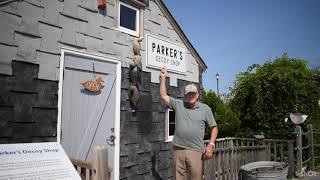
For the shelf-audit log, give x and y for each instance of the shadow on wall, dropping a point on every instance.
(154, 166)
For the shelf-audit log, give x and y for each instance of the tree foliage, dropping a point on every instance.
(226, 119)
(264, 94)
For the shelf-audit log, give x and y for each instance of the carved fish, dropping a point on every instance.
(93, 85)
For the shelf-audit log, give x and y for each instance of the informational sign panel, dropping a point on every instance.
(35, 161)
(165, 53)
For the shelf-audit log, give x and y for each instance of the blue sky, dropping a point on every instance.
(230, 35)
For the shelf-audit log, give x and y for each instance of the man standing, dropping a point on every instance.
(191, 117)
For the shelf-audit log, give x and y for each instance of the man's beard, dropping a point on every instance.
(188, 104)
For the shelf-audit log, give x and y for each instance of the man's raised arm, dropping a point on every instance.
(163, 89)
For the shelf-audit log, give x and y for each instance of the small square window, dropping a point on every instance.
(128, 19)
(170, 124)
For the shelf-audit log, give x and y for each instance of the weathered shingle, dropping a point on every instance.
(50, 35)
(35, 2)
(8, 53)
(51, 12)
(72, 8)
(30, 14)
(70, 31)
(27, 46)
(93, 44)
(89, 5)
(8, 24)
(11, 7)
(49, 64)
(92, 27)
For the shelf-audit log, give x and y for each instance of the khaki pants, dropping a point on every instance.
(187, 164)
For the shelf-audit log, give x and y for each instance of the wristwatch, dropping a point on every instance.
(212, 144)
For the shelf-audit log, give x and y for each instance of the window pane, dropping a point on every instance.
(127, 17)
(171, 129)
(171, 123)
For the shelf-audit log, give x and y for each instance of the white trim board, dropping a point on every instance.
(64, 51)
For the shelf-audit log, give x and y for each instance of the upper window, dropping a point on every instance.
(128, 19)
(170, 124)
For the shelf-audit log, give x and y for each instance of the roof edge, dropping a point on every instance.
(184, 38)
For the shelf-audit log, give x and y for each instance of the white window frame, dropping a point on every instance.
(126, 30)
(168, 137)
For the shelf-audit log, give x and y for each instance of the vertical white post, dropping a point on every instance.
(100, 162)
(299, 150)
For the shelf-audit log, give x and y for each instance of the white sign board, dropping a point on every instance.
(35, 161)
(165, 53)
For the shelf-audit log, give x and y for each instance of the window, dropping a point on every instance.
(170, 124)
(128, 19)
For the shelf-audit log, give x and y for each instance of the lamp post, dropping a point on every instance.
(217, 77)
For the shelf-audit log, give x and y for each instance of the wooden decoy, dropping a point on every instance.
(136, 45)
(259, 136)
(93, 85)
(102, 4)
(296, 118)
(133, 96)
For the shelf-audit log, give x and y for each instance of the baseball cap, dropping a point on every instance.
(190, 88)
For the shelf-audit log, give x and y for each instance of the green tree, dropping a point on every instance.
(264, 94)
(226, 119)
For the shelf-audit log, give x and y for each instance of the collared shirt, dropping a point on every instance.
(190, 124)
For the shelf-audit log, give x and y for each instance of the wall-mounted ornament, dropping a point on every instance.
(135, 71)
(135, 74)
(93, 85)
(136, 45)
(102, 4)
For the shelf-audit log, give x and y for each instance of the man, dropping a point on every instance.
(190, 120)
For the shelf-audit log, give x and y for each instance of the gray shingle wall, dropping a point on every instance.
(28, 106)
(32, 26)
(144, 154)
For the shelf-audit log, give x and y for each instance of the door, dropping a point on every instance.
(90, 118)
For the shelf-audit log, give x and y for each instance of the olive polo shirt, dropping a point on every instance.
(190, 124)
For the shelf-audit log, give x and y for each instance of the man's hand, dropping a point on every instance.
(208, 152)
(163, 91)
(163, 72)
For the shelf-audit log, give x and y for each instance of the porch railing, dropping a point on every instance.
(226, 162)
(234, 152)
(97, 169)
(307, 149)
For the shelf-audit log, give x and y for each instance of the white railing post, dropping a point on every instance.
(311, 143)
(100, 162)
(299, 150)
(291, 159)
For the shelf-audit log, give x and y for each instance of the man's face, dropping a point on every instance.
(191, 98)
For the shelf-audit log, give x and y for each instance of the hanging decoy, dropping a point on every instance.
(102, 4)
(133, 96)
(136, 45)
(93, 85)
(137, 62)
